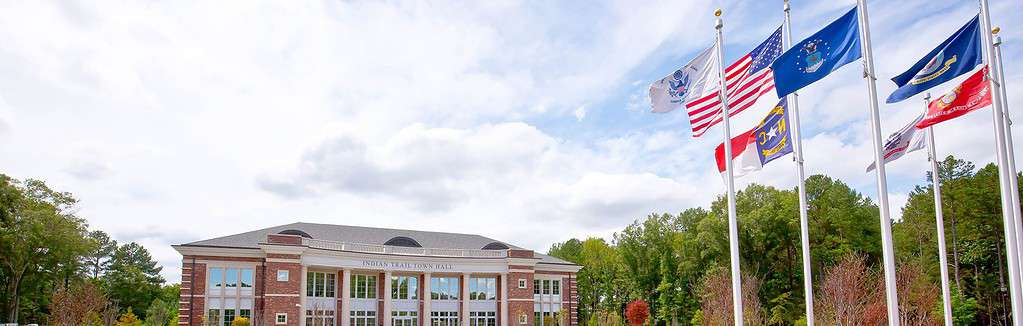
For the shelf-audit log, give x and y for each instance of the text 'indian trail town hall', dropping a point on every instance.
(305, 274)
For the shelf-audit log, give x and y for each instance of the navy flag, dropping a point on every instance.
(818, 55)
(957, 55)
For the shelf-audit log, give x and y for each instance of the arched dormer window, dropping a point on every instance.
(495, 246)
(403, 242)
(296, 232)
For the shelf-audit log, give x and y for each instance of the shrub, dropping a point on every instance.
(240, 321)
(636, 312)
(128, 318)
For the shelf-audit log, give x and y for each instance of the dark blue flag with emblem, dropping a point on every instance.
(818, 55)
(957, 55)
(772, 135)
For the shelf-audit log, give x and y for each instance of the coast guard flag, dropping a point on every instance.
(957, 55)
(696, 79)
(758, 146)
(818, 55)
(906, 140)
(974, 93)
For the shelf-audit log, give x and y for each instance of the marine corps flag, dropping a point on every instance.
(974, 93)
(957, 55)
(765, 143)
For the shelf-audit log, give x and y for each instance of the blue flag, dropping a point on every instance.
(772, 135)
(955, 56)
(818, 55)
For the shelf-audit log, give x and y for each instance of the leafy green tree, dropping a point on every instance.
(134, 277)
(98, 260)
(41, 241)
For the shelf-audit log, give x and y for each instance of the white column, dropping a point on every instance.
(346, 302)
(427, 309)
(504, 299)
(301, 296)
(386, 314)
(465, 300)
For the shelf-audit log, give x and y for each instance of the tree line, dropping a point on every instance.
(54, 270)
(678, 263)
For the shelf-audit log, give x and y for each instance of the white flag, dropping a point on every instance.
(906, 140)
(696, 79)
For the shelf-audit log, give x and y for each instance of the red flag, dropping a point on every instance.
(972, 94)
(744, 154)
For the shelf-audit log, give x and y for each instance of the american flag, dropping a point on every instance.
(747, 79)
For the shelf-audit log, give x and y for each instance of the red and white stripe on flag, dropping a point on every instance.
(746, 79)
(744, 155)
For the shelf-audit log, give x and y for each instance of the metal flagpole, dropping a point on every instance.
(733, 224)
(1009, 225)
(804, 225)
(939, 217)
(887, 249)
(1010, 155)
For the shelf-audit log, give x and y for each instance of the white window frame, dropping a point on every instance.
(282, 275)
(217, 297)
(354, 288)
(452, 288)
(522, 283)
(522, 318)
(328, 277)
(411, 290)
(277, 318)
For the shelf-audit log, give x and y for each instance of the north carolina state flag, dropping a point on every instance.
(974, 93)
(744, 155)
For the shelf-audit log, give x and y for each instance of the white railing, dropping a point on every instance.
(396, 250)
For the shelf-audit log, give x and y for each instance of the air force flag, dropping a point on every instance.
(957, 55)
(818, 55)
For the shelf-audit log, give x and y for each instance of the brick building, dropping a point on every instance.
(305, 274)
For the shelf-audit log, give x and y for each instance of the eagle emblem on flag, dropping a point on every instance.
(679, 86)
(814, 59)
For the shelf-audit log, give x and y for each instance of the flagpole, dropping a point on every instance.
(1009, 225)
(1010, 155)
(939, 217)
(804, 225)
(733, 225)
(887, 249)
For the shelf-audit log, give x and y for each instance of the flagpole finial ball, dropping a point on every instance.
(996, 30)
(717, 13)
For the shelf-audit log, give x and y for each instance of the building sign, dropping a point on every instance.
(407, 265)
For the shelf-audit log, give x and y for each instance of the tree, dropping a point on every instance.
(158, 313)
(134, 277)
(41, 241)
(128, 318)
(637, 312)
(71, 306)
(98, 260)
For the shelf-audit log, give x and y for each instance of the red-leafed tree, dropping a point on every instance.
(637, 312)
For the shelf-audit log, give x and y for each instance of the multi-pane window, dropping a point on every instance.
(229, 294)
(482, 288)
(282, 318)
(404, 318)
(319, 318)
(363, 287)
(536, 286)
(556, 287)
(404, 287)
(482, 318)
(362, 318)
(320, 284)
(228, 316)
(443, 318)
(444, 288)
(546, 286)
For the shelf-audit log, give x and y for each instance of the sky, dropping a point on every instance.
(524, 121)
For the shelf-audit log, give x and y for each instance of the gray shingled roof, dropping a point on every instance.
(362, 234)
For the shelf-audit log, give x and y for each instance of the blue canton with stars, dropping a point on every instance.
(765, 53)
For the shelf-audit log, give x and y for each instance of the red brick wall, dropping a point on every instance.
(570, 299)
(516, 308)
(284, 239)
(282, 297)
(192, 303)
(514, 292)
(520, 253)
